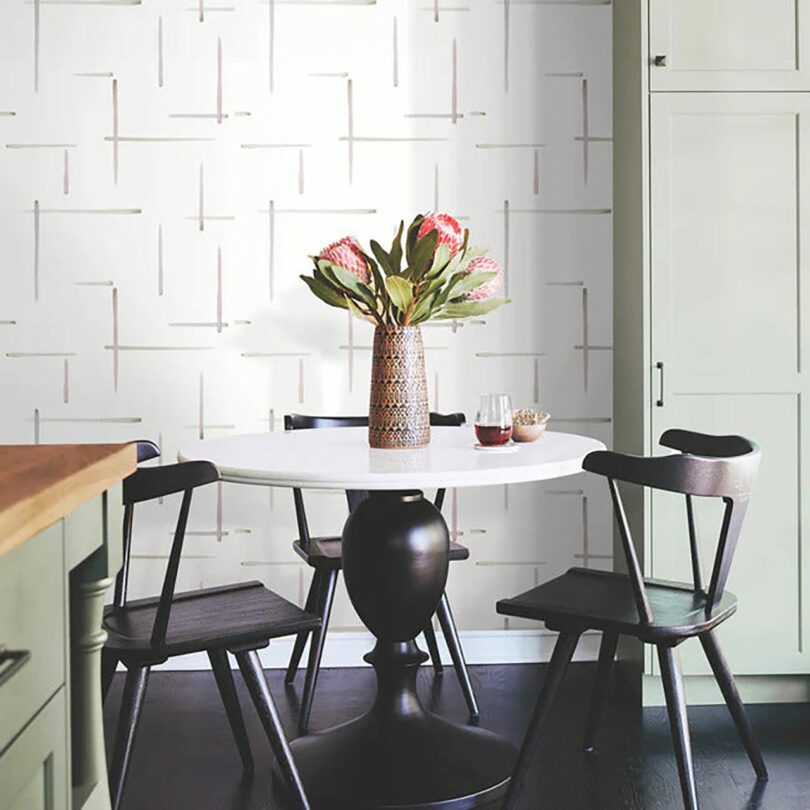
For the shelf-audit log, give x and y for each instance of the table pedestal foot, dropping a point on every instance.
(398, 756)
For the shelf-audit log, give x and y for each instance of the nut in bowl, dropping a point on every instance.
(528, 426)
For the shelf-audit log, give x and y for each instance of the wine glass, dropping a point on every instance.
(493, 422)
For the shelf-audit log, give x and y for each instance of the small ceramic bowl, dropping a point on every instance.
(527, 433)
(530, 433)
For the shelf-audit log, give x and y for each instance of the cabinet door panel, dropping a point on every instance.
(33, 769)
(765, 634)
(725, 194)
(729, 44)
(728, 213)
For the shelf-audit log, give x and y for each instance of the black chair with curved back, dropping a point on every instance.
(654, 611)
(239, 619)
(324, 555)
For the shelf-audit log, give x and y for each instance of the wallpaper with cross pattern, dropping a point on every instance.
(167, 165)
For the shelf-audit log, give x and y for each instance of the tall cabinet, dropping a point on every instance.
(712, 222)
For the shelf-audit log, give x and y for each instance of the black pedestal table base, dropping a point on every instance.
(398, 756)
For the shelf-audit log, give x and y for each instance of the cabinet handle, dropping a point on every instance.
(660, 401)
(18, 659)
(660, 60)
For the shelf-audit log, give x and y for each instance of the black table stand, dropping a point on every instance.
(398, 755)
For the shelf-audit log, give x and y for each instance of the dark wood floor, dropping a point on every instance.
(185, 758)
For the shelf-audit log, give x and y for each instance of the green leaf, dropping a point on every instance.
(440, 259)
(471, 281)
(451, 267)
(401, 292)
(379, 284)
(469, 308)
(437, 283)
(349, 282)
(410, 240)
(326, 293)
(424, 309)
(386, 262)
(422, 255)
(396, 248)
(448, 291)
(324, 270)
(326, 277)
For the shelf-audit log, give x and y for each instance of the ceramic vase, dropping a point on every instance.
(399, 416)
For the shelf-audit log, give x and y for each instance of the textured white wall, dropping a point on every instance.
(166, 167)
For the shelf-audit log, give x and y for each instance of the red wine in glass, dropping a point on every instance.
(493, 435)
(493, 422)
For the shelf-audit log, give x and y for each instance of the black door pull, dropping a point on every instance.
(660, 401)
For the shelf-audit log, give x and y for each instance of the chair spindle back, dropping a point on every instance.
(148, 483)
(708, 466)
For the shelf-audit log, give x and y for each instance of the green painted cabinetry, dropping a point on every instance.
(51, 597)
(711, 207)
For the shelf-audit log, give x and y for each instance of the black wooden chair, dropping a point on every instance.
(653, 611)
(240, 619)
(323, 554)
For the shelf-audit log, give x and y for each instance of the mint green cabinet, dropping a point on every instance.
(711, 207)
(52, 591)
(729, 206)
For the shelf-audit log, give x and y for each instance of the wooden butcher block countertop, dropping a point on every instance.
(39, 484)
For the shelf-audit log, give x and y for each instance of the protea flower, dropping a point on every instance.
(489, 288)
(348, 254)
(428, 287)
(450, 232)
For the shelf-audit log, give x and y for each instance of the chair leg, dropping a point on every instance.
(433, 648)
(227, 691)
(109, 662)
(454, 645)
(301, 638)
(256, 684)
(131, 706)
(607, 651)
(678, 723)
(560, 658)
(727, 686)
(316, 650)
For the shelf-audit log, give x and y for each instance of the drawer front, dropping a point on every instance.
(33, 770)
(32, 619)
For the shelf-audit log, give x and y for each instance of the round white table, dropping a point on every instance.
(395, 560)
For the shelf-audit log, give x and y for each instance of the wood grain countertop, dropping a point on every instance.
(39, 484)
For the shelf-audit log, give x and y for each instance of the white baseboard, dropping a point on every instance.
(346, 649)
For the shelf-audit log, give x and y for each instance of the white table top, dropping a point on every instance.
(340, 458)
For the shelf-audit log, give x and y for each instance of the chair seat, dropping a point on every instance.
(228, 616)
(584, 599)
(327, 552)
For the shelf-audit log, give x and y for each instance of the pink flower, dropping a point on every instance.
(450, 232)
(488, 288)
(348, 254)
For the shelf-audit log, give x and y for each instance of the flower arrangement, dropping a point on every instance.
(443, 277)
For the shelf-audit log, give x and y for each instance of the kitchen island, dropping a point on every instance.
(60, 530)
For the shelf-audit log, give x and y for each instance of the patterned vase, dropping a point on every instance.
(398, 411)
